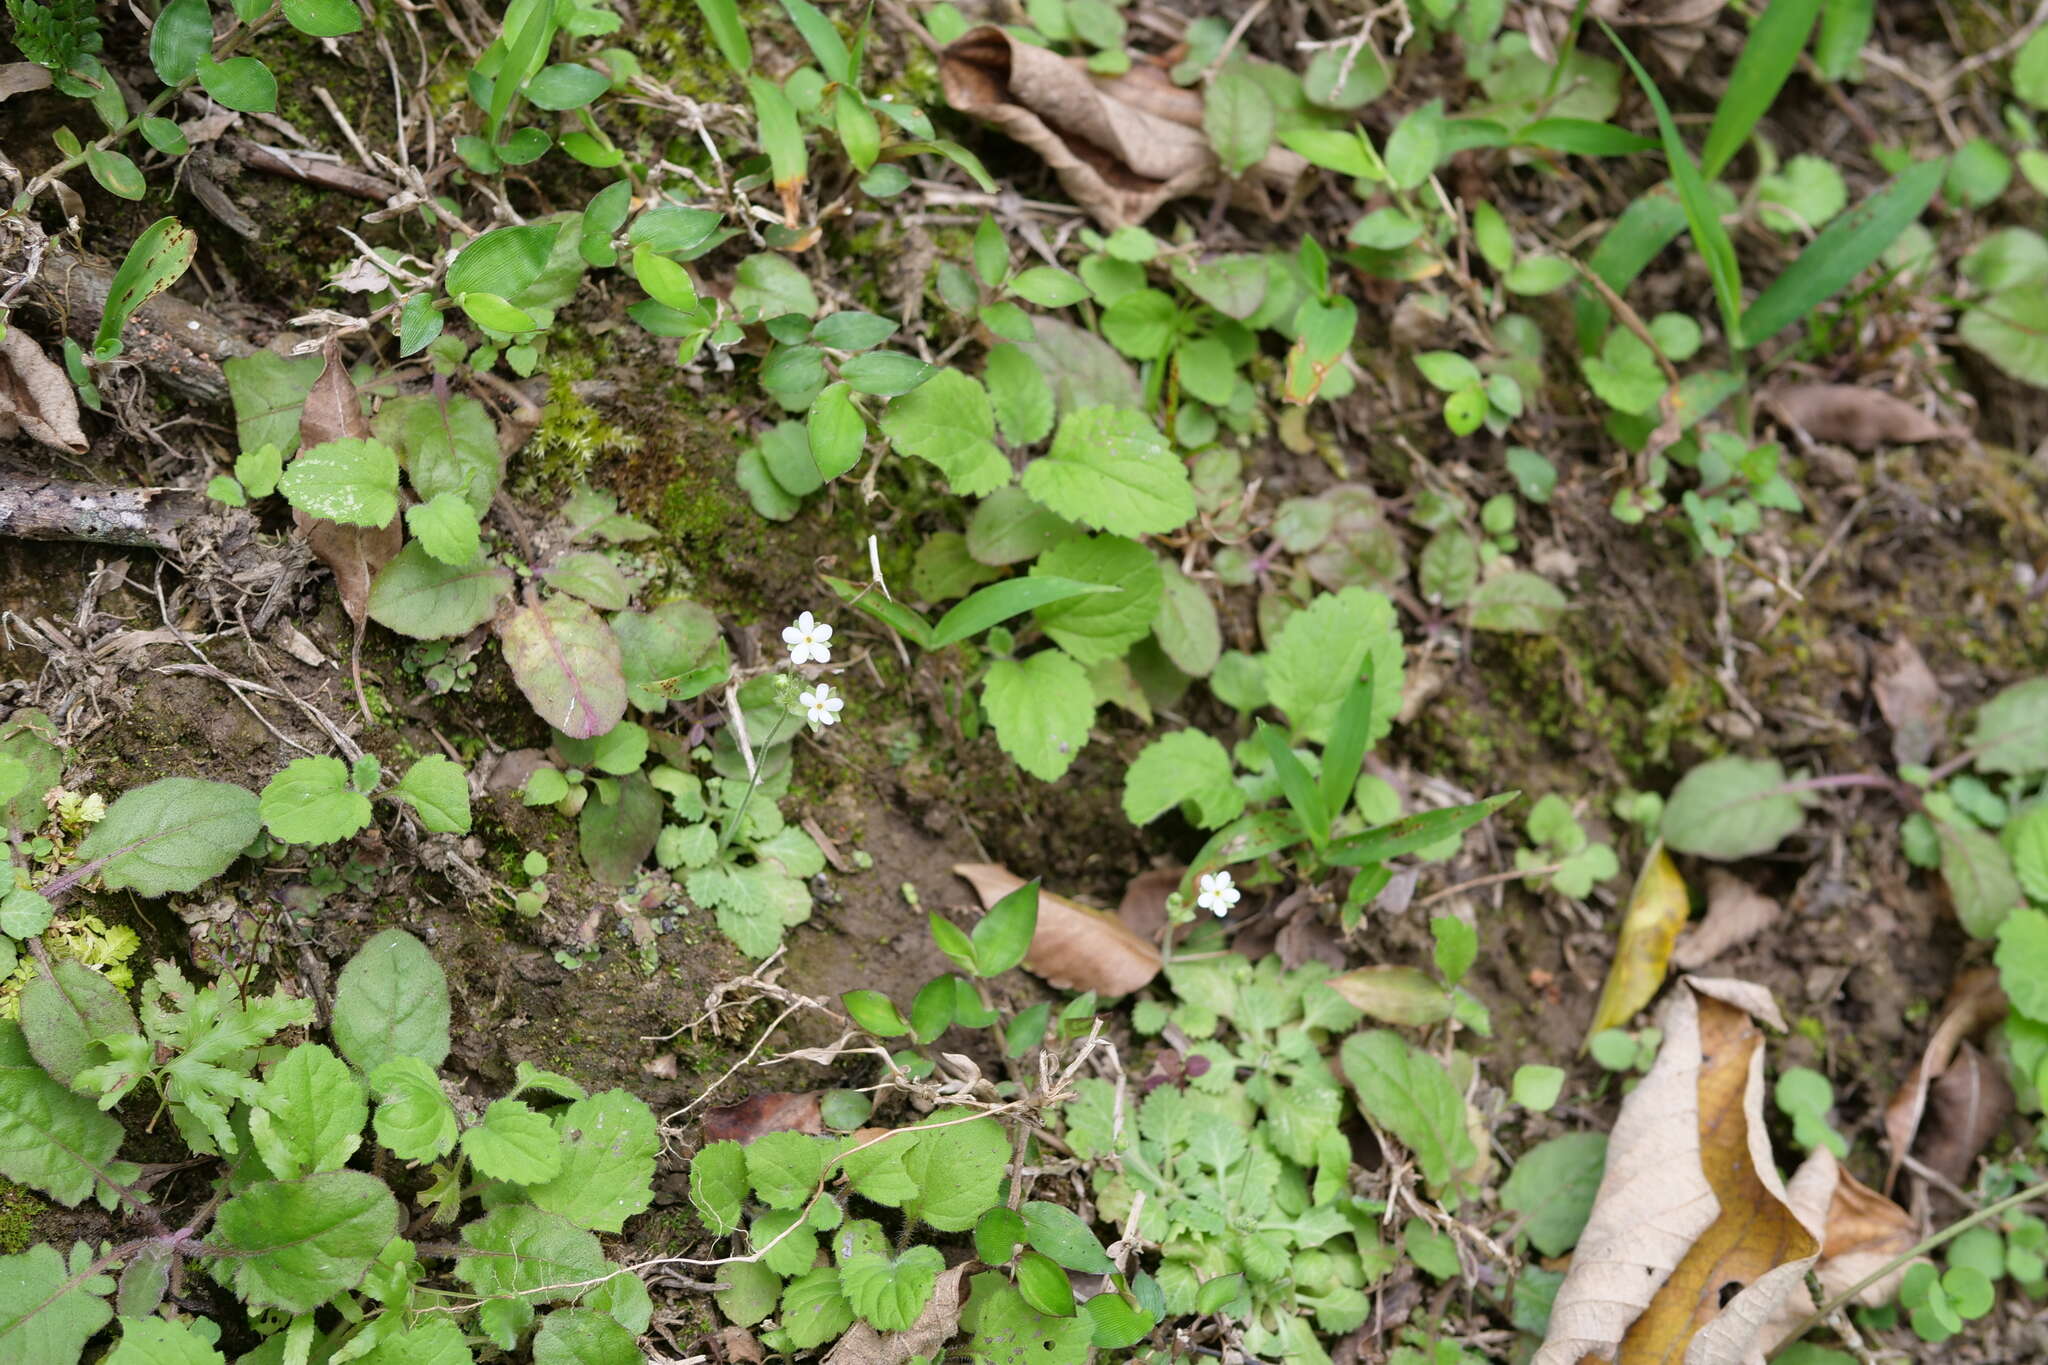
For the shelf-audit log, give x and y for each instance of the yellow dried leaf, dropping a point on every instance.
(1657, 910)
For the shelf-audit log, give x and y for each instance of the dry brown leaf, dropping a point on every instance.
(1851, 415)
(1657, 910)
(1911, 699)
(1966, 1107)
(35, 395)
(1673, 29)
(22, 78)
(1122, 146)
(774, 1111)
(1974, 1003)
(352, 553)
(1075, 948)
(1865, 1230)
(1690, 1210)
(740, 1347)
(1143, 908)
(935, 1326)
(1736, 913)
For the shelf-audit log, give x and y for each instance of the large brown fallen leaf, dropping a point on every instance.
(1075, 948)
(1865, 1231)
(1967, 1107)
(1911, 699)
(1122, 146)
(1657, 910)
(1693, 1247)
(1736, 913)
(35, 397)
(1974, 1003)
(352, 553)
(1851, 415)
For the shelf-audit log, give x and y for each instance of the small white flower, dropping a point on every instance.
(809, 640)
(821, 706)
(1217, 893)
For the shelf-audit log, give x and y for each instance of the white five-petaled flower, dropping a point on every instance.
(1217, 893)
(809, 640)
(821, 706)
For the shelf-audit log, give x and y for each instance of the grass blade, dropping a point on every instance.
(894, 615)
(823, 39)
(1350, 738)
(1411, 832)
(1645, 228)
(1775, 42)
(729, 32)
(1841, 251)
(1299, 787)
(1698, 201)
(998, 602)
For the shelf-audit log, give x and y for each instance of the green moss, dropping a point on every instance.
(18, 1212)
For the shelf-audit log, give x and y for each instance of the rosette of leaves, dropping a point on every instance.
(292, 1229)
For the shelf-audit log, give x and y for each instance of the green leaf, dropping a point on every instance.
(1322, 650)
(567, 663)
(1552, 1187)
(513, 1143)
(887, 1292)
(992, 605)
(310, 1114)
(1776, 41)
(391, 1000)
(323, 18)
(504, 262)
(875, 1012)
(68, 1012)
(1980, 877)
(1731, 808)
(664, 643)
(784, 1168)
(1041, 707)
(1044, 1285)
(1186, 625)
(1296, 784)
(615, 837)
(243, 84)
(181, 35)
(1701, 216)
(1350, 741)
(609, 1144)
(814, 1310)
(1841, 251)
(1114, 1324)
(414, 1120)
(353, 481)
(1049, 287)
(157, 1341)
(838, 433)
(1007, 527)
(566, 85)
(446, 528)
(592, 576)
(447, 445)
(296, 1244)
(1109, 468)
(719, 1185)
(583, 1336)
(310, 802)
(1457, 947)
(154, 262)
(24, 913)
(173, 834)
(419, 596)
(49, 1310)
(957, 1162)
(1518, 602)
(1412, 832)
(1022, 397)
(1408, 1093)
(1002, 937)
(947, 422)
(51, 1139)
(438, 791)
(729, 32)
(1185, 767)
(268, 391)
(523, 1257)
(2011, 731)
(1096, 627)
(1537, 1087)
(1065, 1236)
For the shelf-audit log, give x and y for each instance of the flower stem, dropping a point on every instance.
(732, 826)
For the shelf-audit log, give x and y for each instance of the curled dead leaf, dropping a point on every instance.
(1122, 146)
(1851, 415)
(1974, 1003)
(1657, 910)
(35, 395)
(1736, 913)
(353, 554)
(1966, 1107)
(1076, 948)
(1694, 1246)
(738, 1346)
(22, 78)
(1911, 700)
(1865, 1231)
(773, 1111)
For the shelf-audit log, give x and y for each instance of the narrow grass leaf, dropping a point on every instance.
(1775, 42)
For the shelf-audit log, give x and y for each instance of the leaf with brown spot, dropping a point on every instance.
(1690, 1209)
(1974, 1003)
(1657, 909)
(36, 395)
(774, 1111)
(1122, 146)
(1851, 415)
(1736, 913)
(1911, 700)
(1075, 948)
